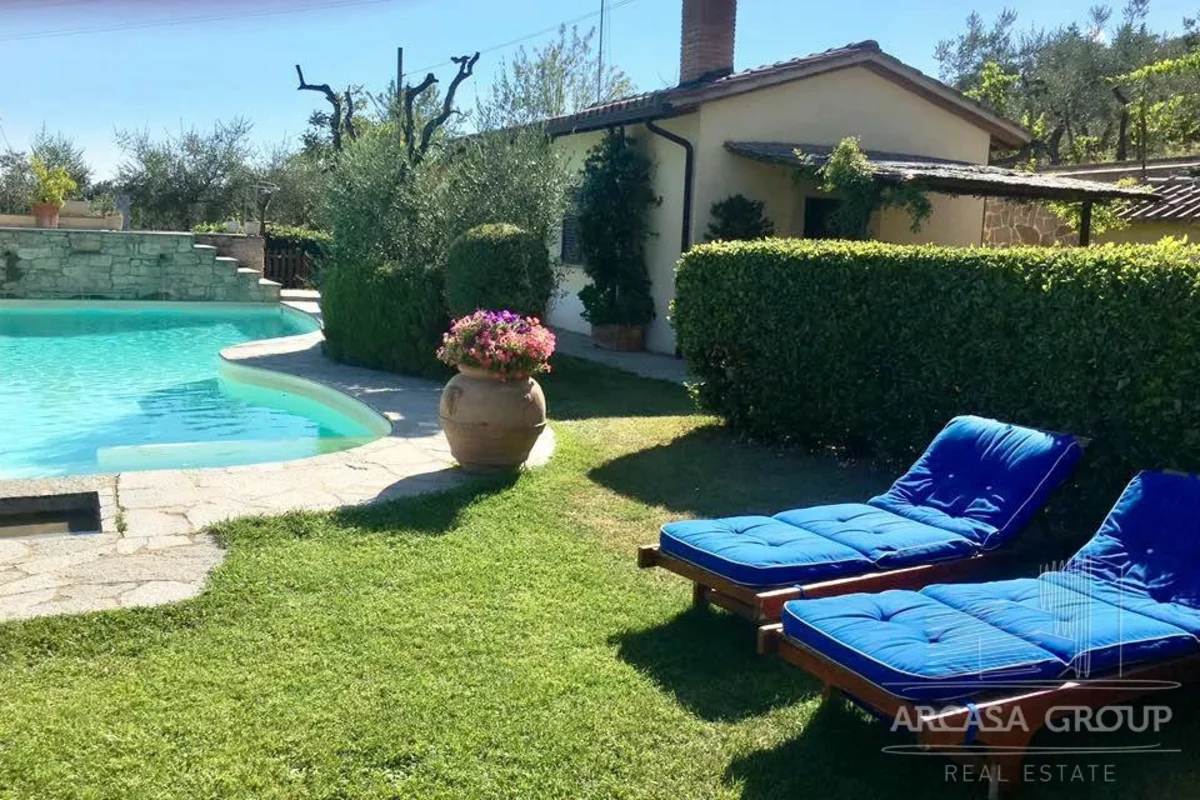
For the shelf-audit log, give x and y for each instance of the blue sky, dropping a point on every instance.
(159, 64)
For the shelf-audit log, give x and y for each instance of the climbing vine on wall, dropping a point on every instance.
(851, 177)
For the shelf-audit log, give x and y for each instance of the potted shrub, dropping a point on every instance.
(50, 190)
(493, 411)
(614, 204)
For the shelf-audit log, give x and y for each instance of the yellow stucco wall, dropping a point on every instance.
(818, 110)
(1150, 232)
(663, 246)
(823, 110)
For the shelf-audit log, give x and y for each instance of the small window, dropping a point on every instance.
(818, 217)
(571, 252)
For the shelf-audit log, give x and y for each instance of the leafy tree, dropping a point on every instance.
(54, 150)
(59, 150)
(397, 196)
(556, 79)
(178, 181)
(1166, 103)
(292, 183)
(16, 182)
(996, 88)
(1063, 77)
(614, 204)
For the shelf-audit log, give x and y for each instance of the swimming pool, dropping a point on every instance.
(93, 387)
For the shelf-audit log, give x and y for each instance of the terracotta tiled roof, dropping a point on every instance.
(951, 177)
(678, 99)
(1180, 202)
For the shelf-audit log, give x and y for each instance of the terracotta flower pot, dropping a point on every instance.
(627, 338)
(491, 423)
(45, 215)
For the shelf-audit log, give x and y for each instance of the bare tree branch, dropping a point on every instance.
(351, 131)
(466, 66)
(335, 120)
(411, 93)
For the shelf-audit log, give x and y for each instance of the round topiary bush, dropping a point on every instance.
(498, 267)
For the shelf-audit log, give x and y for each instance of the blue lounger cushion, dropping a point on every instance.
(982, 479)
(888, 540)
(1088, 634)
(1128, 596)
(1146, 555)
(914, 646)
(975, 486)
(761, 551)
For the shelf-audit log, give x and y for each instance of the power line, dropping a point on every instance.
(125, 26)
(549, 29)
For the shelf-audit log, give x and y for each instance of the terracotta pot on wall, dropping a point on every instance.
(491, 423)
(45, 215)
(627, 338)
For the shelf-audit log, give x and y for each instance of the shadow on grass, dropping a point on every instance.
(706, 660)
(434, 513)
(709, 473)
(838, 754)
(580, 389)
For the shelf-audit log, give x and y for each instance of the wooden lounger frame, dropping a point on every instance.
(759, 604)
(948, 728)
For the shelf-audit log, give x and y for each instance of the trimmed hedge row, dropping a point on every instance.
(389, 318)
(392, 317)
(873, 347)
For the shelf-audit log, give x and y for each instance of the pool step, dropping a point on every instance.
(228, 452)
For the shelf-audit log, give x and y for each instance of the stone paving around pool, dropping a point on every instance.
(152, 548)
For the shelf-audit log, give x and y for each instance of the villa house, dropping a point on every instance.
(721, 132)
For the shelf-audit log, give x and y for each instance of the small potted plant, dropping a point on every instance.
(493, 411)
(50, 190)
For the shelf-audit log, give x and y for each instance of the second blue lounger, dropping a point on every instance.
(1120, 619)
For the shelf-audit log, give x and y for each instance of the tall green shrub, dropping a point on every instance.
(388, 317)
(393, 220)
(498, 267)
(614, 204)
(874, 346)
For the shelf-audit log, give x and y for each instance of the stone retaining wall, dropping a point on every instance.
(115, 265)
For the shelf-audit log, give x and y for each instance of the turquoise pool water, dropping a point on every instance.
(90, 387)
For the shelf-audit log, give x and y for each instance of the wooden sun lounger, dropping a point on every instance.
(759, 604)
(1003, 750)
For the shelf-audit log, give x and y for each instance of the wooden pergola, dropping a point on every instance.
(957, 177)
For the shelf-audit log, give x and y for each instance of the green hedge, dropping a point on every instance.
(498, 267)
(873, 347)
(312, 242)
(385, 318)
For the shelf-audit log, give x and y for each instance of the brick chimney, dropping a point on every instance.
(706, 47)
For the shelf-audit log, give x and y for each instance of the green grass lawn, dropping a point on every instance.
(495, 641)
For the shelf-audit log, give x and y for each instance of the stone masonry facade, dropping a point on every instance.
(46, 264)
(1012, 222)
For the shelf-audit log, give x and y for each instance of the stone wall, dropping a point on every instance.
(1009, 222)
(115, 265)
(250, 251)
